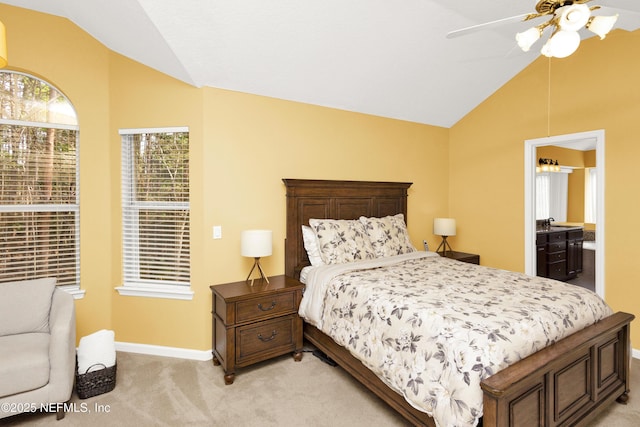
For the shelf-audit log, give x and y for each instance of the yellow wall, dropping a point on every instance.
(241, 148)
(141, 98)
(595, 88)
(243, 145)
(65, 56)
(575, 199)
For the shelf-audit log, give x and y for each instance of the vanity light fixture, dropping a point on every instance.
(256, 244)
(568, 18)
(444, 227)
(547, 165)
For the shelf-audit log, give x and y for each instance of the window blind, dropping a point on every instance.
(155, 207)
(542, 195)
(39, 207)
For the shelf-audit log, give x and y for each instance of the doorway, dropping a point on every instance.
(567, 141)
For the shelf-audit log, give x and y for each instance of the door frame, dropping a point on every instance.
(530, 259)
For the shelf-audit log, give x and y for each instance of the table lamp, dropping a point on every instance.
(444, 227)
(256, 244)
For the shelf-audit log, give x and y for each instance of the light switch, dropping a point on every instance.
(217, 232)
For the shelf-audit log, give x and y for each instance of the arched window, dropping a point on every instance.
(39, 204)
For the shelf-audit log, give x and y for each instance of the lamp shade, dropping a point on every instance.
(256, 243)
(444, 226)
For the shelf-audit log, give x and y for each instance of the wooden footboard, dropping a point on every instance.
(567, 383)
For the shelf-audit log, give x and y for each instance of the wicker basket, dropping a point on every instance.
(93, 383)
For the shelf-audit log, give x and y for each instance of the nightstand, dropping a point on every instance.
(255, 323)
(462, 256)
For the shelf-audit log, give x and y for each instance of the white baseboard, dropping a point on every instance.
(202, 355)
(158, 350)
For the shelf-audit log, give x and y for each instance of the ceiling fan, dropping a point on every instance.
(567, 17)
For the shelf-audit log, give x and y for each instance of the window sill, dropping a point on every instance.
(164, 291)
(74, 290)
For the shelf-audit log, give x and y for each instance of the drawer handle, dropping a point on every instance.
(273, 304)
(273, 335)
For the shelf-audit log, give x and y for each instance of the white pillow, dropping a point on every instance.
(311, 246)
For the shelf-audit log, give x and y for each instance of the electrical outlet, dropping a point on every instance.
(217, 232)
(426, 245)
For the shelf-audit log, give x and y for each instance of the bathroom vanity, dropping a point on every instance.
(559, 251)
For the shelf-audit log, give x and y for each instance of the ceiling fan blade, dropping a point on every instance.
(612, 9)
(485, 26)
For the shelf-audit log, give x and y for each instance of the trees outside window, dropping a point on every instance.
(155, 208)
(39, 203)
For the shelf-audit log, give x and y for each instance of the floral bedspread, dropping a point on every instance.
(432, 328)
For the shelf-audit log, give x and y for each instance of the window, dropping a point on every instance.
(155, 213)
(39, 205)
(552, 195)
(542, 195)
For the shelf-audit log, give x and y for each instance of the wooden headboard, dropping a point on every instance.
(336, 200)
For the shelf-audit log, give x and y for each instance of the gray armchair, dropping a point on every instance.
(37, 347)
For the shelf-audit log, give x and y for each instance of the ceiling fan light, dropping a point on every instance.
(601, 25)
(526, 39)
(561, 44)
(574, 17)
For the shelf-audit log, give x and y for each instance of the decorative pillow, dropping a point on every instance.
(311, 246)
(388, 235)
(341, 240)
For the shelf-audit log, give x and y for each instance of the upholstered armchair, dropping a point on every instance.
(37, 347)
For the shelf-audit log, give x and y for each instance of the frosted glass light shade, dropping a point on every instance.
(573, 17)
(601, 25)
(444, 226)
(256, 243)
(526, 39)
(561, 44)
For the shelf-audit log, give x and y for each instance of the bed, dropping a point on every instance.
(566, 383)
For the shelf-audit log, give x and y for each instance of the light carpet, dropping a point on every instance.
(161, 391)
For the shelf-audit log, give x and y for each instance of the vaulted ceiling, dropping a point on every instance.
(389, 58)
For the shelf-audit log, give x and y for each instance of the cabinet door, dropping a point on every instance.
(541, 260)
(571, 259)
(574, 248)
(574, 257)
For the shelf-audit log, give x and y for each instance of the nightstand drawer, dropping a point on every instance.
(265, 307)
(260, 339)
